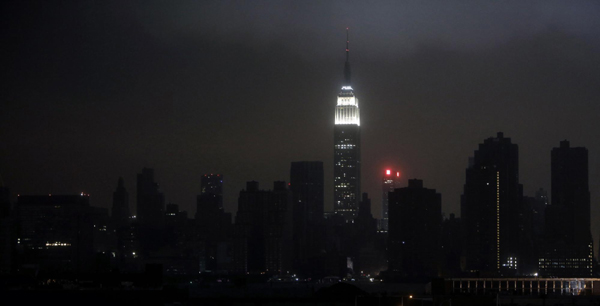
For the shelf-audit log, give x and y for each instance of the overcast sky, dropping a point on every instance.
(94, 90)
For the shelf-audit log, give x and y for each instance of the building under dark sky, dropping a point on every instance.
(308, 202)
(346, 152)
(389, 182)
(212, 184)
(491, 207)
(55, 233)
(569, 247)
(120, 212)
(414, 232)
(263, 230)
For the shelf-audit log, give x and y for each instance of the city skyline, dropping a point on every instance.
(87, 102)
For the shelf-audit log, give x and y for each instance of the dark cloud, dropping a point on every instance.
(98, 90)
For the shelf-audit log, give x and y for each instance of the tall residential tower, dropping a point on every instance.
(490, 209)
(569, 244)
(346, 138)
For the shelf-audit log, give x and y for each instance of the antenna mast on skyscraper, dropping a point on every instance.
(347, 77)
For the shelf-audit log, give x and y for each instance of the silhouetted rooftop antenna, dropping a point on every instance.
(347, 76)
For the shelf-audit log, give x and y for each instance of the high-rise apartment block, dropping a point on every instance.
(212, 184)
(569, 244)
(307, 186)
(213, 225)
(120, 208)
(150, 217)
(263, 230)
(490, 209)
(414, 231)
(55, 233)
(150, 201)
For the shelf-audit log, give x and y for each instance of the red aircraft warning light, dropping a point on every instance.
(388, 172)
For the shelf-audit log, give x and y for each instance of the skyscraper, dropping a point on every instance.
(388, 184)
(263, 234)
(55, 232)
(569, 247)
(490, 209)
(212, 184)
(126, 237)
(150, 202)
(6, 232)
(213, 224)
(414, 234)
(210, 216)
(346, 138)
(120, 207)
(306, 184)
(570, 189)
(150, 213)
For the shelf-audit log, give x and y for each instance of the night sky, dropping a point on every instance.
(94, 90)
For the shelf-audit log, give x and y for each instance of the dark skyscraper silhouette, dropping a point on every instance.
(6, 232)
(212, 184)
(213, 224)
(569, 249)
(307, 186)
(369, 245)
(263, 230)
(150, 212)
(150, 202)
(209, 204)
(55, 233)
(120, 208)
(388, 184)
(125, 236)
(346, 138)
(414, 231)
(490, 208)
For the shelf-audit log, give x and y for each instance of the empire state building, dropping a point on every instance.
(346, 158)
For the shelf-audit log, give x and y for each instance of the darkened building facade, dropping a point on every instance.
(388, 184)
(569, 249)
(491, 209)
(369, 245)
(451, 242)
(307, 187)
(126, 242)
(213, 225)
(120, 208)
(150, 213)
(533, 216)
(150, 202)
(263, 233)
(212, 184)
(6, 231)
(346, 157)
(414, 231)
(55, 234)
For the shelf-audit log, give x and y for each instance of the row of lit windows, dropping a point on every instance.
(498, 218)
(57, 244)
(345, 146)
(566, 259)
(564, 266)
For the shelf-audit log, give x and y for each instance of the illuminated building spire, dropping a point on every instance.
(347, 78)
(347, 148)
